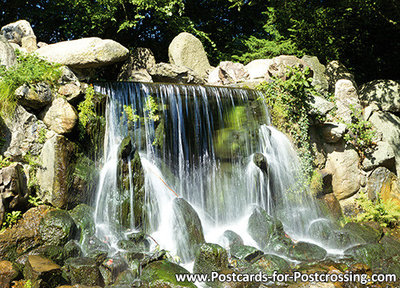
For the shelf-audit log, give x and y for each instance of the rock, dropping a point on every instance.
(303, 251)
(320, 81)
(383, 155)
(389, 125)
(57, 228)
(219, 76)
(170, 73)
(41, 44)
(70, 91)
(333, 132)
(368, 233)
(346, 175)
(245, 252)
(84, 53)
(321, 183)
(188, 226)
(7, 54)
(258, 69)
(24, 236)
(162, 274)
(331, 206)
(320, 106)
(336, 71)
(34, 96)
(14, 32)
(52, 252)
(135, 68)
(186, 50)
(127, 278)
(13, 189)
(383, 182)
(67, 76)
(267, 232)
(269, 263)
(61, 117)
(232, 238)
(236, 71)
(346, 96)
(43, 271)
(8, 272)
(72, 249)
(111, 267)
(84, 271)
(261, 162)
(83, 216)
(29, 43)
(210, 257)
(57, 158)
(369, 110)
(280, 65)
(384, 93)
(25, 130)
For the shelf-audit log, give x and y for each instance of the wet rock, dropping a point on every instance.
(24, 236)
(135, 68)
(384, 93)
(366, 232)
(24, 130)
(84, 271)
(57, 166)
(16, 31)
(84, 53)
(367, 253)
(8, 272)
(57, 228)
(331, 206)
(267, 232)
(43, 271)
(320, 81)
(188, 228)
(232, 238)
(162, 274)
(84, 220)
(169, 73)
(60, 116)
(111, 268)
(51, 252)
(303, 251)
(34, 96)
(94, 247)
(269, 263)
(7, 54)
(186, 50)
(127, 278)
(261, 162)
(333, 132)
(136, 242)
(245, 252)
(346, 174)
(210, 257)
(346, 96)
(72, 249)
(13, 189)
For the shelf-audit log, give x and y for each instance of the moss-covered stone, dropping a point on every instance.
(232, 238)
(52, 252)
(368, 233)
(269, 263)
(43, 271)
(57, 228)
(162, 274)
(83, 216)
(303, 251)
(245, 252)
(84, 271)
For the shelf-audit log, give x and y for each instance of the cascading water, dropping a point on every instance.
(203, 144)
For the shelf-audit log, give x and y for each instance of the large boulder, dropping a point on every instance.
(258, 69)
(336, 71)
(43, 271)
(16, 31)
(320, 106)
(84, 53)
(135, 68)
(34, 96)
(280, 65)
(343, 165)
(187, 228)
(346, 97)
(57, 228)
(7, 54)
(228, 72)
(383, 183)
(170, 73)
(84, 271)
(13, 189)
(56, 170)
(389, 125)
(60, 116)
(8, 272)
(333, 132)
(25, 134)
(320, 81)
(303, 251)
(384, 93)
(383, 155)
(186, 50)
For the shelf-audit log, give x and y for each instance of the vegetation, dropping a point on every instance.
(29, 69)
(11, 219)
(288, 100)
(87, 107)
(4, 162)
(35, 201)
(151, 109)
(360, 133)
(385, 212)
(34, 164)
(42, 135)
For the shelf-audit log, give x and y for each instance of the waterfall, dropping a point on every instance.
(202, 144)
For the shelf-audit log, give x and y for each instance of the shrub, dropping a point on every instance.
(28, 69)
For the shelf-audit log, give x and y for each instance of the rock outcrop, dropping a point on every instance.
(7, 54)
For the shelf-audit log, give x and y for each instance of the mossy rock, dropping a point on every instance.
(84, 271)
(269, 263)
(52, 252)
(57, 228)
(161, 274)
(233, 238)
(72, 249)
(303, 251)
(365, 232)
(83, 216)
(367, 253)
(245, 252)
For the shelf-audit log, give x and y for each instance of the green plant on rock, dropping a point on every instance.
(288, 100)
(28, 69)
(28, 284)
(151, 109)
(87, 107)
(384, 212)
(35, 201)
(4, 162)
(42, 135)
(11, 219)
(131, 115)
(34, 164)
(360, 133)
